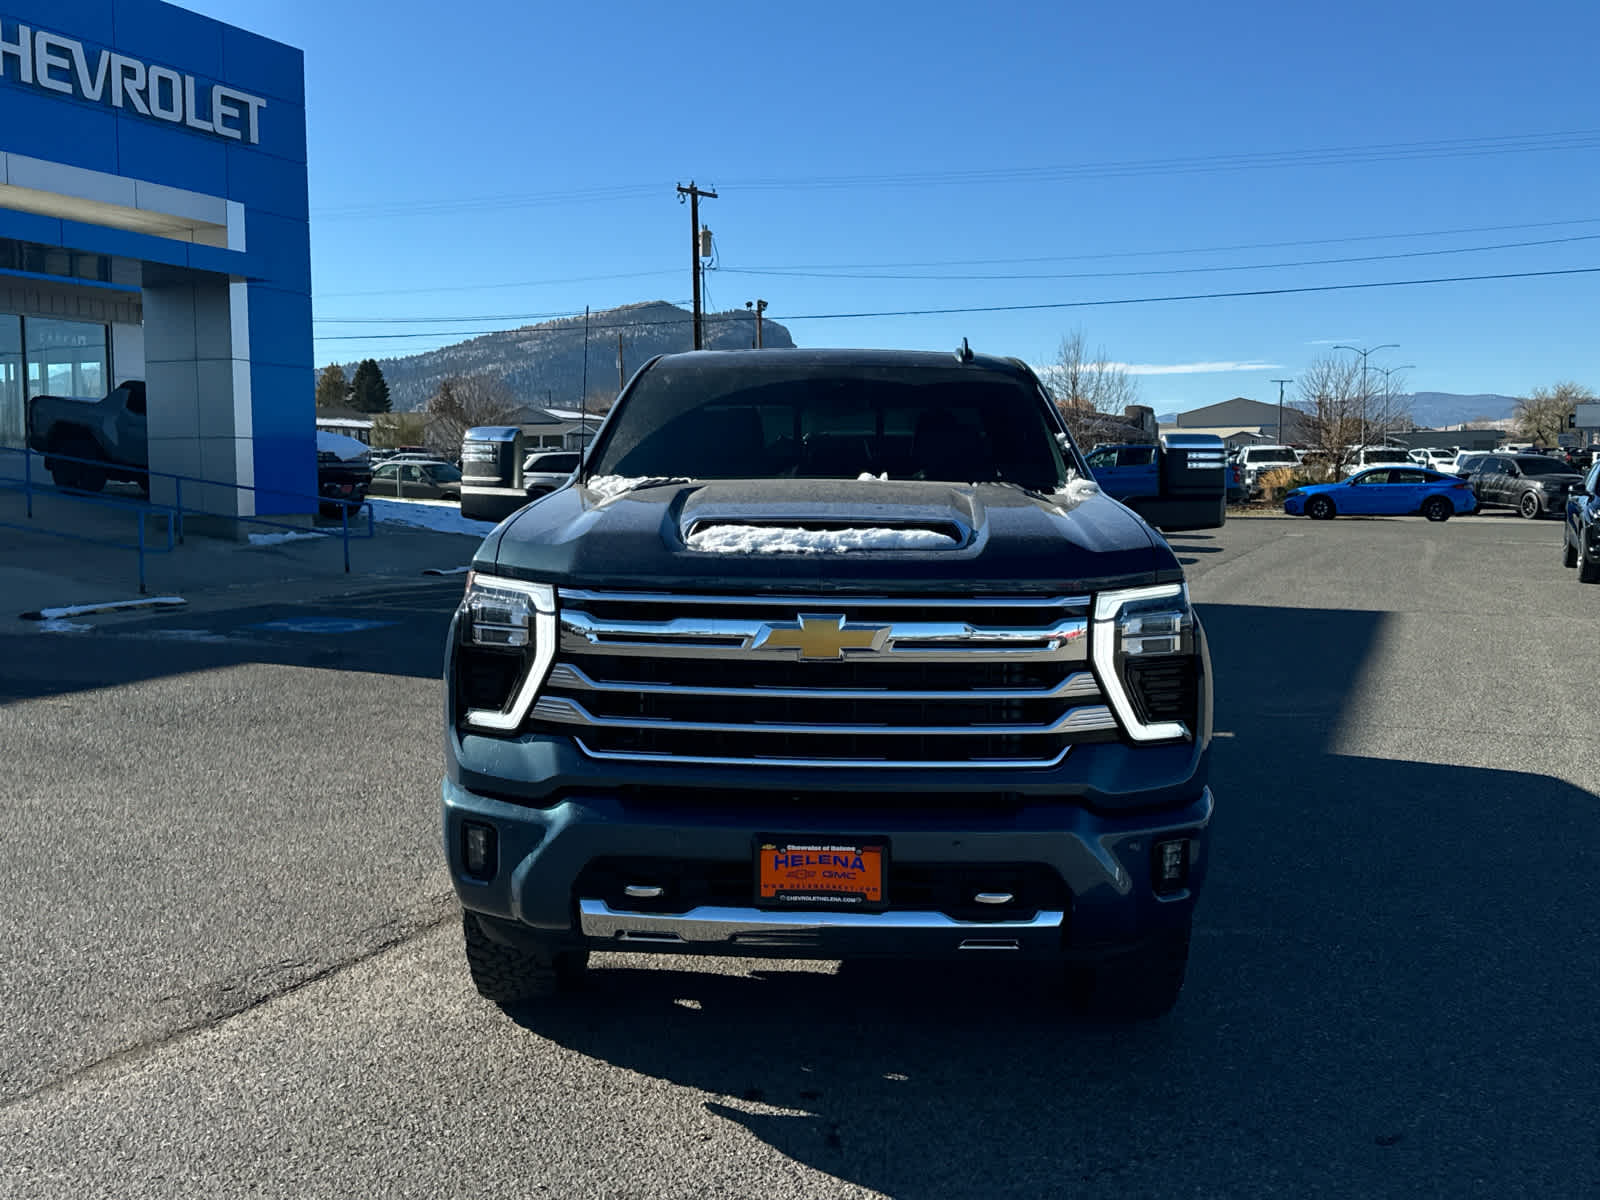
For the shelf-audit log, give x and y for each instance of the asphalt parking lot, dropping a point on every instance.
(231, 965)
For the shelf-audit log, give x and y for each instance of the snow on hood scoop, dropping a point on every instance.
(731, 536)
(827, 517)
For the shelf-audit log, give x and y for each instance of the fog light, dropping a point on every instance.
(1171, 866)
(478, 850)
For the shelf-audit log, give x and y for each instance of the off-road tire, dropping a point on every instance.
(1437, 508)
(1569, 554)
(513, 975)
(1588, 569)
(1529, 508)
(1320, 508)
(1138, 986)
(77, 476)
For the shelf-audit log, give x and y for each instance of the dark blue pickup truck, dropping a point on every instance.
(1180, 482)
(829, 653)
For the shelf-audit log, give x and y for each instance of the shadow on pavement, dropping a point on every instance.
(1392, 991)
(396, 630)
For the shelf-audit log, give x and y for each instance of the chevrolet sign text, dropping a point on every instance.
(60, 64)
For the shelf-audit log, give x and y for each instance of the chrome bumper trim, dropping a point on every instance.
(889, 764)
(561, 710)
(716, 925)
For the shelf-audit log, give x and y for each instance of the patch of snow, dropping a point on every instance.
(60, 626)
(771, 539)
(868, 476)
(445, 570)
(1076, 492)
(611, 486)
(80, 610)
(340, 446)
(441, 518)
(277, 539)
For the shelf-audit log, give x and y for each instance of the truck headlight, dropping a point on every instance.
(1144, 651)
(506, 640)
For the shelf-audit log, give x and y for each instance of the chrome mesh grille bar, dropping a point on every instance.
(944, 682)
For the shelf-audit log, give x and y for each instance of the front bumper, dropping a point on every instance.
(1103, 862)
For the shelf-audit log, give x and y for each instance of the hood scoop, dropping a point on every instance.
(826, 518)
(817, 537)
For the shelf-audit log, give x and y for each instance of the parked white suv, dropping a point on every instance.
(1256, 459)
(1372, 456)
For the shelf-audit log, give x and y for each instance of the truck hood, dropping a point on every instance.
(987, 537)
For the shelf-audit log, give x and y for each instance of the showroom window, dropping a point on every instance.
(45, 355)
(12, 421)
(65, 358)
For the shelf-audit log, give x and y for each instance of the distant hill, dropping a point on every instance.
(1436, 409)
(544, 364)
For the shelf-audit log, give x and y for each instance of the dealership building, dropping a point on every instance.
(153, 225)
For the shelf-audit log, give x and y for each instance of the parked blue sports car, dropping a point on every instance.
(1384, 491)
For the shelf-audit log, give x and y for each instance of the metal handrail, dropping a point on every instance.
(174, 512)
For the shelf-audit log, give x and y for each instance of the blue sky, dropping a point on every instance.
(502, 159)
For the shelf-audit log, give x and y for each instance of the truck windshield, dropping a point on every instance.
(800, 421)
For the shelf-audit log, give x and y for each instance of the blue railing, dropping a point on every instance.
(173, 513)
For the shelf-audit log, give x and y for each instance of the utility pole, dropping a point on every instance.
(694, 195)
(1280, 383)
(620, 380)
(583, 414)
(760, 307)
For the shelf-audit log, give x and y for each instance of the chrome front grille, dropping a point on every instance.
(823, 681)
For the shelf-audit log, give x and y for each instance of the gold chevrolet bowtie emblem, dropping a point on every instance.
(821, 636)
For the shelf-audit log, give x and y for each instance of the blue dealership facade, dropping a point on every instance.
(154, 225)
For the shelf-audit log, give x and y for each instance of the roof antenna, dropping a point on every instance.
(964, 354)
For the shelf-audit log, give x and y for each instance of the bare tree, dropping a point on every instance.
(1086, 386)
(466, 401)
(1542, 416)
(1332, 402)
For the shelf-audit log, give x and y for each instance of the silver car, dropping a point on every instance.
(543, 473)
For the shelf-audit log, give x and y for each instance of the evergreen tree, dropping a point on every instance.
(333, 389)
(369, 392)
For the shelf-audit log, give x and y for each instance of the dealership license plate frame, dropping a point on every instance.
(777, 887)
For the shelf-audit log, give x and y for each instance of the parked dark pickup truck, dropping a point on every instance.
(110, 434)
(1179, 482)
(87, 443)
(827, 654)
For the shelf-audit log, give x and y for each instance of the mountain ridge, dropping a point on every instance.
(544, 364)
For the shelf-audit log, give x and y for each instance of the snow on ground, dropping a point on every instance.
(58, 626)
(441, 518)
(612, 486)
(869, 477)
(772, 539)
(277, 539)
(81, 610)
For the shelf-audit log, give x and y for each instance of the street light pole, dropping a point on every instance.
(1388, 396)
(1364, 353)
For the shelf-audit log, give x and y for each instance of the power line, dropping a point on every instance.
(1587, 237)
(1308, 262)
(1523, 143)
(484, 287)
(974, 262)
(1578, 139)
(1053, 305)
(1328, 241)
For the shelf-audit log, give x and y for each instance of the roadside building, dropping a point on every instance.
(1242, 422)
(154, 225)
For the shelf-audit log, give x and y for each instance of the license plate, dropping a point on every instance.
(820, 871)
